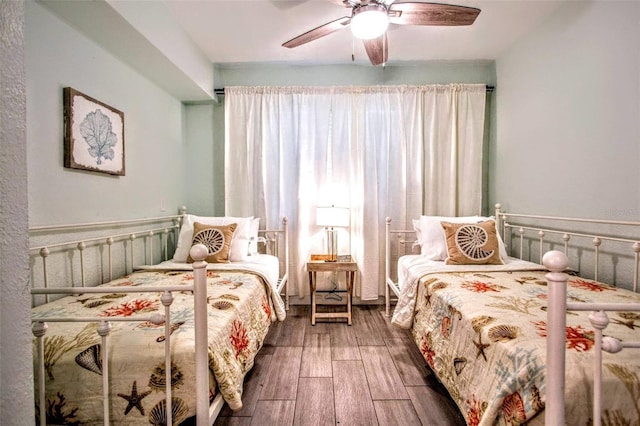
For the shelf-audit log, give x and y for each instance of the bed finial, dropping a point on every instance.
(498, 212)
(555, 261)
(198, 252)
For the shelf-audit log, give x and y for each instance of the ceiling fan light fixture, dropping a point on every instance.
(369, 22)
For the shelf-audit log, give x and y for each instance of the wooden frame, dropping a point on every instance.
(93, 134)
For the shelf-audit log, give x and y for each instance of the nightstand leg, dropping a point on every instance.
(312, 295)
(350, 275)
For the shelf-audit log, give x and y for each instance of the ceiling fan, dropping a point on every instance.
(370, 19)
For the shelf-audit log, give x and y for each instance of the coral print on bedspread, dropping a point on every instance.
(240, 309)
(483, 334)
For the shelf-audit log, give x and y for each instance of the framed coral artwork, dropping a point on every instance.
(93, 134)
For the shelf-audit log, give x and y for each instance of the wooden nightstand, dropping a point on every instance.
(317, 264)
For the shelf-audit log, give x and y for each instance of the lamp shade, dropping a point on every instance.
(332, 216)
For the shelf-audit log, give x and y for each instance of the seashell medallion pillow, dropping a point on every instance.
(472, 243)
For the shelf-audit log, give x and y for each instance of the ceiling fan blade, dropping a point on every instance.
(432, 14)
(318, 32)
(377, 49)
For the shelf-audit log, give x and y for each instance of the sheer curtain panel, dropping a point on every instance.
(397, 151)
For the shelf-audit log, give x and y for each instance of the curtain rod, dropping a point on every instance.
(220, 91)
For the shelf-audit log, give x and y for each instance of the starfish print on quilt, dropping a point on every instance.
(134, 399)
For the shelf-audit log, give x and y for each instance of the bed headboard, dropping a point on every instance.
(276, 242)
(89, 254)
(603, 249)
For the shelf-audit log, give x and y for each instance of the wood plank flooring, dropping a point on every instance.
(370, 373)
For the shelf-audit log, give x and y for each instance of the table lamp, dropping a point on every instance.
(330, 218)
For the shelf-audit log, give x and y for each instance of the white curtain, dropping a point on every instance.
(381, 151)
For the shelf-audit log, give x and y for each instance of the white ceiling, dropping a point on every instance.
(250, 31)
(176, 43)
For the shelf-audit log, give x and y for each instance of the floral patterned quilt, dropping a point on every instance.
(241, 307)
(483, 334)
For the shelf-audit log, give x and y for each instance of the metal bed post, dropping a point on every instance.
(81, 247)
(285, 224)
(566, 237)
(556, 262)
(596, 247)
(39, 329)
(104, 328)
(132, 237)
(599, 320)
(150, 235)
(636, 249)
(499, 220)
(541, 242)
(165, 238)
(44, 252)
(109, 244)
(521, 233)
(167, 300)
(198, 252)
(387, 266)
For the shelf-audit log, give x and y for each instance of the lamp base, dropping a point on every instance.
(332, 245)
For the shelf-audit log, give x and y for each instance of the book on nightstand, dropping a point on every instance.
(323, 257)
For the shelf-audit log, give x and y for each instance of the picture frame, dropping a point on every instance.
(93, 134)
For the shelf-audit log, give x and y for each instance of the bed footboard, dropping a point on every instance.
(557, 262)
(199, 287)
(395, 245)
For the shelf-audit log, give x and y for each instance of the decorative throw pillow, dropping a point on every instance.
(239, 247)
(472, 243)
(216, 238)
(431, 238)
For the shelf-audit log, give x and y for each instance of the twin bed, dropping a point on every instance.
(495, 329)
(167, 343)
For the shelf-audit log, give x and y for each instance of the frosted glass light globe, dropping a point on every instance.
(369, 22)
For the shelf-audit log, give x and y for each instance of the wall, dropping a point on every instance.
(37, 190)
(568, 115)
(325, 75)
(16, 384)
(58, 56)
(204, 161)
(567, 138)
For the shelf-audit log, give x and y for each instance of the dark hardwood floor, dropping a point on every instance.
(334, 374)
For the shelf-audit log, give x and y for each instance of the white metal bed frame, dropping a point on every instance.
(275, 241)
(557, 262)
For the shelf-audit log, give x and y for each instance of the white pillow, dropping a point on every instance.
(432, 239)
(239, 243)
(253, 236)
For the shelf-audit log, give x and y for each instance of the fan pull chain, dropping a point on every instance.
(384, 49)
(353, 48)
